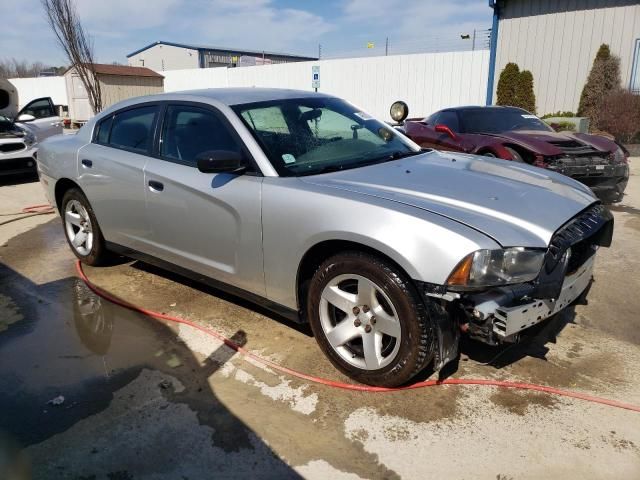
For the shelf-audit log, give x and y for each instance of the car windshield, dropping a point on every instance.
(306, 136)
(498, 120)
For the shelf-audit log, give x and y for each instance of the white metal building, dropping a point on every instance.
(162, 55)
(558, 40)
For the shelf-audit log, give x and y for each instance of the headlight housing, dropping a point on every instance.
(29, 138)
(619, 156)
(487, 268)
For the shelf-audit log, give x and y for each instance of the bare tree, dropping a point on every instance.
(20, 68)
(77, 45)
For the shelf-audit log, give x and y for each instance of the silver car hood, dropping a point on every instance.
(515, 204)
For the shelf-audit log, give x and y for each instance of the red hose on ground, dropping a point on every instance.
(348, 386)
(44, 208)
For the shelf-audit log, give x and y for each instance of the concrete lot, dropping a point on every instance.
(144, 399)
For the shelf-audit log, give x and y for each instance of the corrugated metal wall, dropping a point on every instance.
(558, 40)
(427, 82)
(115, 87)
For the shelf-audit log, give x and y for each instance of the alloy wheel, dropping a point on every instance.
(360, 322)
(78, 227)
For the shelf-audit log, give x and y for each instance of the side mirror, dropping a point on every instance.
(25, 117)
(220, 161)
(444, 129)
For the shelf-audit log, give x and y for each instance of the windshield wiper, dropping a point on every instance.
(399, 155)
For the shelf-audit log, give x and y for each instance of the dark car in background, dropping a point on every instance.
(514, 134)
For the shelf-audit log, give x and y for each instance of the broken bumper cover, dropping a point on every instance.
(608, 182)
(508, 321)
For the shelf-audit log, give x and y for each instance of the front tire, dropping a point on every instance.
(81, 228)
(369, 320)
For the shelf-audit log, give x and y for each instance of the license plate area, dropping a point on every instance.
(511, 320)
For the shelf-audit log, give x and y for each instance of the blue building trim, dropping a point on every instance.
(634, 82)
(492, 50)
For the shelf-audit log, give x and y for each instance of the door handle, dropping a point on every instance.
(87, 163)
(157, 186)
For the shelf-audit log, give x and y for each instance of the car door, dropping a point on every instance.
(46, 121)
(205, 222)
(111, 173)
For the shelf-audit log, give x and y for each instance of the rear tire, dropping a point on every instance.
(81, 228)
(369, 320)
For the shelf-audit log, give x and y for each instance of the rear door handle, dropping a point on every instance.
(87, 163)
(157, 186)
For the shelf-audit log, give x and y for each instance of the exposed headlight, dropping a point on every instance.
(29, 138)
(485, 268)
(619, 157)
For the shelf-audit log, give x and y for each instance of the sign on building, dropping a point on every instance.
(315, 76)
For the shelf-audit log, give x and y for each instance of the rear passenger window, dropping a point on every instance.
(133, 129)
(104, 128)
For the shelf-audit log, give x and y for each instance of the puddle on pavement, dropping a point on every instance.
(72, 346)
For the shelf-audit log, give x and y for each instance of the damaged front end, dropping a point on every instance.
(605, 173)
(498, 315)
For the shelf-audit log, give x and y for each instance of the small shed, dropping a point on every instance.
(117, 82)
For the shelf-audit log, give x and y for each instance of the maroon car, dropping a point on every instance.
(514, 134)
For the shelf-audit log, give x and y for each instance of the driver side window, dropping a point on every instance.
(450, 119)
(41, 108)
(188, 131)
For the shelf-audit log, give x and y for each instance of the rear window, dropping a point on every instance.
(133, 129)
(103, 130)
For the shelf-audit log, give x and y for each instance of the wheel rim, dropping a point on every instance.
(78, 227)
(360, 322)
(489, 154)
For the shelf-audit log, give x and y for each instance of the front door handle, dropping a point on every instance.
(157, 186)
(87, 163)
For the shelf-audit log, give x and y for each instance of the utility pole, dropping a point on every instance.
(473, 44)
(386, 47)
(319, 51)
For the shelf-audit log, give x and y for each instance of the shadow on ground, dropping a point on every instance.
(64, 355)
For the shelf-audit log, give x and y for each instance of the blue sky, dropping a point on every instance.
(343, 27)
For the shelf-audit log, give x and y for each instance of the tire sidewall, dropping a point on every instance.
(408, 306)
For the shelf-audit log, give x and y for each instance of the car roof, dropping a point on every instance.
(238, 96)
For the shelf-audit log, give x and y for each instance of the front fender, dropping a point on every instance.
(297, 216)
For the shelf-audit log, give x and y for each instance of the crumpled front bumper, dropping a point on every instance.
(22, 161)
(608, 182)
(507, 321)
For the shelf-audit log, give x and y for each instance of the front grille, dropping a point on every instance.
(594, 226)
(12, 147)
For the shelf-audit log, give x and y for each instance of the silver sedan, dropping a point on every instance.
(306, 204)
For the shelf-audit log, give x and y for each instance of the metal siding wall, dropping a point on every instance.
(427, 82)
(174, 58)
(558, 41)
